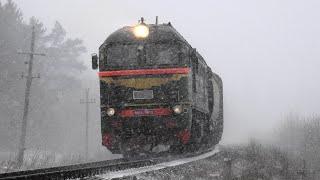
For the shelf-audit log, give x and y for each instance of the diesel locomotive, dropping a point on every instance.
(156, 90)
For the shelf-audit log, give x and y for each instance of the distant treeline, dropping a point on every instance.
(300, 136)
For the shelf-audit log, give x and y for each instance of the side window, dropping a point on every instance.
(102, 60)
(195, 71)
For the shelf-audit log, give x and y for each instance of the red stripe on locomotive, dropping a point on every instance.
(145, 112)
(134, 72)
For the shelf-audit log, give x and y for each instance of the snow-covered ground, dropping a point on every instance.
(253, 161)
(32, 159)
(156, 167)
(36, 158)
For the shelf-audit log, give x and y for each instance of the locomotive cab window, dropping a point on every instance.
(121, 55)
(151, 54)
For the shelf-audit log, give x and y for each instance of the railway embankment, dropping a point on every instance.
(242, 162)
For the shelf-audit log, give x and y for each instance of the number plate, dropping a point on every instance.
(145, 94)
(143, 112)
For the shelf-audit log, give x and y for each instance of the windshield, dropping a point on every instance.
(145, 55)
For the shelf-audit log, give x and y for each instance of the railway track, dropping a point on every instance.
(107, 169)
(158, 166)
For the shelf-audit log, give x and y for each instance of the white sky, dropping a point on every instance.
(266, 51)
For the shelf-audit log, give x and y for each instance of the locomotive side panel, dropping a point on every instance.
(199, 83)
(217, 113)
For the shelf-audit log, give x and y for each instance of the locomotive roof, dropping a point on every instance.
(158, 33)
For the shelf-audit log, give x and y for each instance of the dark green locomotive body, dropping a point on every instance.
(157, 91)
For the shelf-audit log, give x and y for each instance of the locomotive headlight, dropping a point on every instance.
(110, 112)
(177, 109)
(141, 31)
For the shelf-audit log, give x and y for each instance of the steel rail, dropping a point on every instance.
(76, 171)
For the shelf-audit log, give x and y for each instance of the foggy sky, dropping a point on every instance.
(267, 51)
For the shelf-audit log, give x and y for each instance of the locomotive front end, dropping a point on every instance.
(144, 88)
(145, 109)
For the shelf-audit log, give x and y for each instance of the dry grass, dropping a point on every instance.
(39, 159)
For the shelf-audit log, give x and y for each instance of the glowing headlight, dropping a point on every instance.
(141, 31)
(177, 109)
(110, 111)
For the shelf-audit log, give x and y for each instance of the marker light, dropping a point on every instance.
(110, 112)
(141, 30)
(177, 109)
